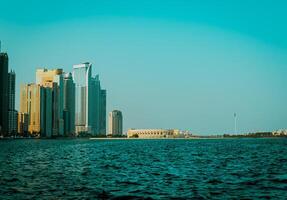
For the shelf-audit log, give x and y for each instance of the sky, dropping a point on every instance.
(180, 64)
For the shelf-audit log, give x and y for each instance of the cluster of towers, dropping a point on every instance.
(63, 104)
(58, 104)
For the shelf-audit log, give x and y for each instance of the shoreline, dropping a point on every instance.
(95, 138)
(194, 138)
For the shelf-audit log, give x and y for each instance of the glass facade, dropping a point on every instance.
(103, 105)
(12, 113)
(115, 123)
(54, 79)
(88, 101)
(82, 75)
(69, 105)
(3, 93)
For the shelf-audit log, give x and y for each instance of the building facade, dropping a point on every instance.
(69, 105)
(88, 110)
(82, 75)
(12, 113)
(115, 123)
(23, 123)
(36, 103)
(61, 104)
(95, 106)
(154, 133)
(54, 79)
(103, 112)
(3, 93)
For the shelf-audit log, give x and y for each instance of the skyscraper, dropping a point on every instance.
(115, 123)
(69, 105)
(23, 123)
(88, 100)
(54, 79)
(95, 104)
(3, 93)
(103, 111)
(36, 102)
(82, 75)
(12, 113)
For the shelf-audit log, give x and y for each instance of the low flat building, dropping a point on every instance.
(280, 133)
(154, 133)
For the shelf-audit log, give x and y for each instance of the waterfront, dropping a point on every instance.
(203, 169)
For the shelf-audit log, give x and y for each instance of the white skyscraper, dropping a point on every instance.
(87, 100)
(82, 76)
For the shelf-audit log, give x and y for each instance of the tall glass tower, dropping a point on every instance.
(3, 93)
(12, 113)
(103, 112)
(95, 105)
(54, 79)
(82, 76)
(90, 101)
(69, 105)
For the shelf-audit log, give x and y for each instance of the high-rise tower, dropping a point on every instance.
(88, 100)
(69, 105)
(103, 112)
(12, 113)
(3, 93)
(36, 103)
(95, 105)
(54, 79)
(82, 75)
(115, 123)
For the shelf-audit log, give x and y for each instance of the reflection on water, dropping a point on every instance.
(153, 169)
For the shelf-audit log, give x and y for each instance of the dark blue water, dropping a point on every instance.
(155, 169)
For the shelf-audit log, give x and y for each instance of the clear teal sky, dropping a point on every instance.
(166, 64)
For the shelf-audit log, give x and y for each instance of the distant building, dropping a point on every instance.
(69, 105)
(23, 122)
(12, 113)
(103, 112)
(36, 103)
(3, 93)
(279, 133)
(54, 79)
(115, 123)
(154, 133)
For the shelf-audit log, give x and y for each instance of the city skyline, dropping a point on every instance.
(151, 99)
(179, 65)
(60, 104)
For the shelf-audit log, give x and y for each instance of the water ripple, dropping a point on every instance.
(143, 169)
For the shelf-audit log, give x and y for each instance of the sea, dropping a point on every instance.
(143, 169)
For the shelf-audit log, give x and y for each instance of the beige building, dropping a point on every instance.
(115, 123)
(36, 104)
(23, 121)
(154, 133)
(54, 79)
(44, 75)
